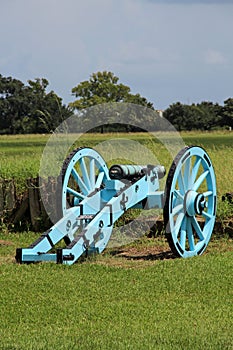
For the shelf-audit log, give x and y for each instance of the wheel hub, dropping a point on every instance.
(194, 203)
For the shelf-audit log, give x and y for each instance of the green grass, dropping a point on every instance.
(130, 299)
(20, 155)
(111, 302)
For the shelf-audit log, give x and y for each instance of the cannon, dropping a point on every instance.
(94, 197)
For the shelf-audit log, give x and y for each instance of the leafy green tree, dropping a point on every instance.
(12, 103)
(227, 113)
(202, 116)
(175, 114)
(209, 115)
(29, 108)
(101, 88)
(47, 111)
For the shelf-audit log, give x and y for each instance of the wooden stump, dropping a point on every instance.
(34, 203)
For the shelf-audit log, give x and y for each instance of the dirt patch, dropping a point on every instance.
(151, 250)
(145, 253)
(224, 227)
(5, 243)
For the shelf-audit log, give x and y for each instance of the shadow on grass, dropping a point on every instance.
(143, 255)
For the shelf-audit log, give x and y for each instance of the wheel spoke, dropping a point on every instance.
(99, 179)
(187, 173)
(207, 193)
(181, 183)
(197, 228)
(183, 232)
(178, 194)
(195, 170)
(209, 223)
(178, 222)
(177, 209)
(206, 215)
(79, 181)
(92, 172)
(85, 173)
(199, 181)
(190, 235)
(75, 193)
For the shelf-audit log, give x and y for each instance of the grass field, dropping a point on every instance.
(20, 155)
(138, 297)
(120, 301)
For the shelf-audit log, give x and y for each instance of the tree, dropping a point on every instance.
(12, 104)
(101, 88)
(47, 111)
(209, 115)
(228, 112)
(29, 108)
(175, 114)
(202, 116)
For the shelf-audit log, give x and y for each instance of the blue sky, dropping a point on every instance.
(167, 51)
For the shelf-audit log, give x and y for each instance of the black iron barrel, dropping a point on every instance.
(122, 171)
(119, 171)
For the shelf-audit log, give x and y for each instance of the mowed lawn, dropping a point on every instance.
(118, 302)
(115, 301)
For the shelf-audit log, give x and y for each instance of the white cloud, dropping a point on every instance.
(214, 57)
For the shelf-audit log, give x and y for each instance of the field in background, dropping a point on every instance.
(20, 155)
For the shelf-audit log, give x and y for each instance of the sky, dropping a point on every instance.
(165, 50)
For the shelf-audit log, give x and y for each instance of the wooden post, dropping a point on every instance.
(34, 204)
(1, 197)
(10, 196)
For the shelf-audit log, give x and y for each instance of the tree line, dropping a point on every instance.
(201, 116)
(30, 108)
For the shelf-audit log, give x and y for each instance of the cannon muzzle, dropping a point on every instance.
(120, 171)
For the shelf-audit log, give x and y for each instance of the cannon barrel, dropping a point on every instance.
(121, 171)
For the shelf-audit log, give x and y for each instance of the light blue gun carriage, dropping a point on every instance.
(94, 197)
